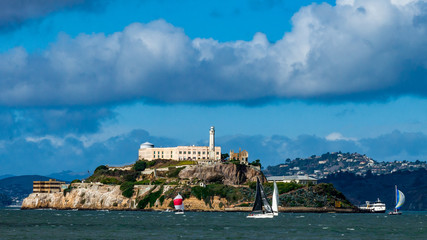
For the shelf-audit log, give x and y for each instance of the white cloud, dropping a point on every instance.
(336, 136)
(355, 50)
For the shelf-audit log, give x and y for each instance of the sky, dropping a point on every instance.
(85, 82)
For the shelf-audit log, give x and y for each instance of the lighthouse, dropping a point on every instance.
(212, 143)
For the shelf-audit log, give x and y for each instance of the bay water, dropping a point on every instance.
(60, 224)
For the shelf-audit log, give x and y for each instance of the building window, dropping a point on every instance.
(194, 152)
(198, 153)
(194, 158)
(203, 157)
(185, 152)
(203, 153)
(180, 152)
(217, 153)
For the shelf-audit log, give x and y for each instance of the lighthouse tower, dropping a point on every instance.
(212, 143)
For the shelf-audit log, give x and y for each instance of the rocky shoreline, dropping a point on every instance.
(97, 196)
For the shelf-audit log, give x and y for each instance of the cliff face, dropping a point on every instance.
(97, 196)
(231, 174)
(82, 196)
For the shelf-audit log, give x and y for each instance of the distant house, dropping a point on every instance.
(304, 179)
(51, 186)
(242, 156)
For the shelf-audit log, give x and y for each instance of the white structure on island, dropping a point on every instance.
(210, 153)
(301, 179)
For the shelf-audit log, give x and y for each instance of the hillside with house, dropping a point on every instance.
(329, 163)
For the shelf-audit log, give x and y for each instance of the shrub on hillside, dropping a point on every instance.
(127, 189)
(139, 165)
(100, 168)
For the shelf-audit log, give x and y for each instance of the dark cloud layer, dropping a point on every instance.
(358, 50)
(14, 13)
(47, 155)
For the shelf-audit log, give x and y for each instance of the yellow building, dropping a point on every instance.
(148, 152)
(242, 156)
(50, 186)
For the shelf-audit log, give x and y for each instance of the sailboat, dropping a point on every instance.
(400, 200)
(260, 202)
(179, 204)
(275, 201)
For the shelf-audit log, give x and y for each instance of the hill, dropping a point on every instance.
(329, 163)
(359, 189)
(151, 185)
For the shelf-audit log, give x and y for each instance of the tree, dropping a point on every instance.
(100, 168)
(139, 165)
(256, 163)
(224, 156)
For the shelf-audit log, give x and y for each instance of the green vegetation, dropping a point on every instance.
(76, 181)
(150, 198)
(286, 187)
(127, 189)
(101, 168)
(110, 180)
(159, 181)
(174, 172)
(207, 193)
(321, 195)
(67, 190)
(139, 165)
(256, 163)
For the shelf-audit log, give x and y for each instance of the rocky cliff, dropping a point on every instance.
(229, 174)
(97, 196)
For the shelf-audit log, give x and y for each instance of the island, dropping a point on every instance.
(152, 185)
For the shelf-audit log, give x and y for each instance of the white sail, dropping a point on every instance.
(275, 203)
(400, 199)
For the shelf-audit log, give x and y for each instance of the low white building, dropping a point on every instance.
(210, 153)
(301, 179)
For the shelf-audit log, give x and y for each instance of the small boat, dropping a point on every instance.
(400, 200)
(261, 207)
(375, 207)
(179, 204)
(275, 201)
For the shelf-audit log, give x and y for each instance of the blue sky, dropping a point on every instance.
(84, 82)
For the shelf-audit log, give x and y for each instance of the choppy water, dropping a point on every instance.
(53, 224)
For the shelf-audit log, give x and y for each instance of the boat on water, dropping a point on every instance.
(375, 207)
(275, 201)
(262, 208)
(400, 200)
(179, 204)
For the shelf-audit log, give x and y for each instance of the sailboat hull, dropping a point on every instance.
(260, 215)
